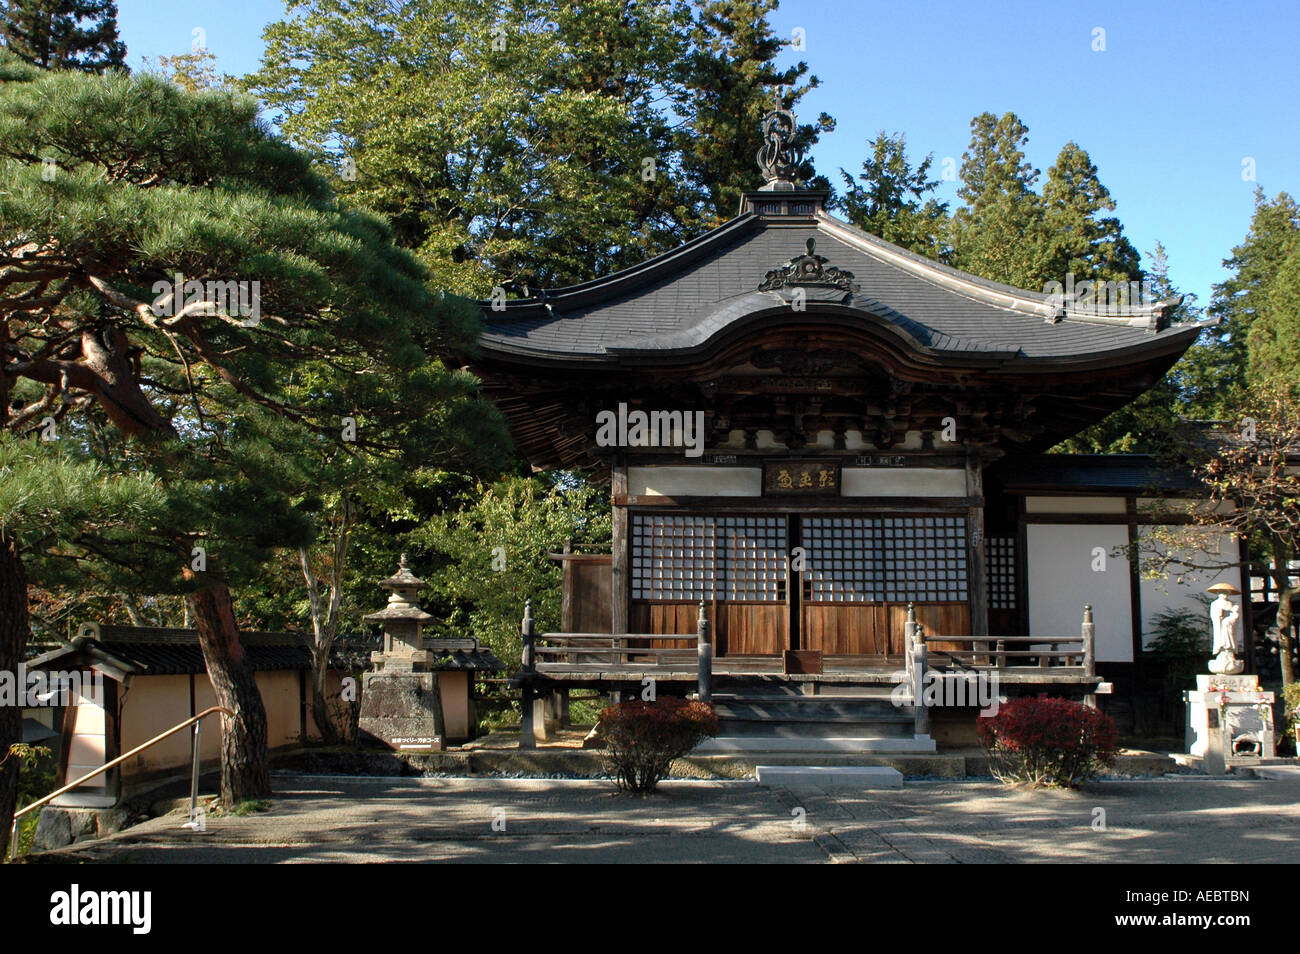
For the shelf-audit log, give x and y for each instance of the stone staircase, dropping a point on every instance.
(781, 718)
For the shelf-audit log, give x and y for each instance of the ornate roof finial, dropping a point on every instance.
(779, 158)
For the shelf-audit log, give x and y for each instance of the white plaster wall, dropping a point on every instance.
(902, 482)
(1179, 588)
(1074, 505)
(676, 481)
(1062, 580)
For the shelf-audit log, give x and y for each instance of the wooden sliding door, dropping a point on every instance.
(736, 564)
(862, 571)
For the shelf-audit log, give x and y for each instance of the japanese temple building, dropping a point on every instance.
(874, 429)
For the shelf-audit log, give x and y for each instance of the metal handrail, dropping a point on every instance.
(192, 721)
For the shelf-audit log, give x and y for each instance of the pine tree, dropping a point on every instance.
(999, 233)
(63, 34)
(340, 336)
(1080, 240)
(730, 82)
(49, 497)
(888, 198)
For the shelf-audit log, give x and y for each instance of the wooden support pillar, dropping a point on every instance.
(705, 647)
(618, 595)
(975, 553)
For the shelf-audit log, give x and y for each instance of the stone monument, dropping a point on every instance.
(1229, 719)
(401, 705)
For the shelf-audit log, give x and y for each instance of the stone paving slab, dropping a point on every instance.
(1157, 821)
(330, 819)
(1183, 819)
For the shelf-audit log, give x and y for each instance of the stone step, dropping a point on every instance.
(845, 776)
(794, 693)
(824, 711)
(817, 743)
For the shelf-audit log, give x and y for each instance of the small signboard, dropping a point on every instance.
(805, 477)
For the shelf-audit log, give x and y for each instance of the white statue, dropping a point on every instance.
(1224, 615)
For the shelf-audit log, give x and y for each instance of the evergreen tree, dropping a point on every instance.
(1151, 424)
(1080, 240)
(50, 498)
(730, 82)
(999, 234)
(344, 338)
(888, 198)
(508, 143)
(1217, 366)
(63, 34)
(1273, 341)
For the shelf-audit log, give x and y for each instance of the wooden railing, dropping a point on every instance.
(567, 652)
(195, 721)
(609, 655)
(1019, 653)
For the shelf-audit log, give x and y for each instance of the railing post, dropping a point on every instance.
(909, 645)
(704, 646)
(194, 773)
(527, 631)
(1089, 652)
(1088, 631)
(527, 739)
(914, 640)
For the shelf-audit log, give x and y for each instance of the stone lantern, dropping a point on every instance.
(401, 706)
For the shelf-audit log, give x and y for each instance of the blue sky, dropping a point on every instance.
(1182, 94)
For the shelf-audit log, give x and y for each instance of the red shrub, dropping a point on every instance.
(643, 738)
(1048, 742)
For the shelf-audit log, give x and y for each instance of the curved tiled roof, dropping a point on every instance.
(682, 299)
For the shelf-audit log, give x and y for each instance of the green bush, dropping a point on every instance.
(643, 738)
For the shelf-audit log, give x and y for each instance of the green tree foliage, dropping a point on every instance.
(492, 554)
(530, 144)
(504, 141)
(888, 198)
(1217, 366)
(729, 82)
(1151, 424)
(54, 504)
(63, 34)
(118, 184)
(1080, 239)
(1273, 341)
(999, 234)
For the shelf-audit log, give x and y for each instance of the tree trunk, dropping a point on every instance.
(1282, 577)
(244, 772)
(13, 648)
(320, 712)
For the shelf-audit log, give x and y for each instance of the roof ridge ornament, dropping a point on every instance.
(779, 157)
(809, 270)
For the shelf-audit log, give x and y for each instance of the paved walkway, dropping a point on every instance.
(1159, 821)
(316, 819)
